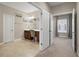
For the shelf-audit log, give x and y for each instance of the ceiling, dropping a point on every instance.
(22, 6)
(54, 3)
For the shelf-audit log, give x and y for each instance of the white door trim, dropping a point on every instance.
(73, 29)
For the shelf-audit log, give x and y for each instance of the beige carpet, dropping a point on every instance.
(61, 48)
(19, 48)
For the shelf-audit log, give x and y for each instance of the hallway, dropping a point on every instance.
(60, 48)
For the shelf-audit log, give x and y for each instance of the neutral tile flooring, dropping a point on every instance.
(24, 48)
(61, 47)
(19, 48)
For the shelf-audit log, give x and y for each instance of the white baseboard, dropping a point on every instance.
(77, 53)
(11, 41)
(17, 39)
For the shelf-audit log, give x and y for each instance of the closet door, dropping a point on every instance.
(44, 30)
(8, 27)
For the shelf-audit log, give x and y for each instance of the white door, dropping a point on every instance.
(44, 30)
(73, 29)
(8, 27)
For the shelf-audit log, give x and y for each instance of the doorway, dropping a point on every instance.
(64, 26)
(17, 25)
(69, 26)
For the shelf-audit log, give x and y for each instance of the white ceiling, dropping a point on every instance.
(54, 3)
(22, 6)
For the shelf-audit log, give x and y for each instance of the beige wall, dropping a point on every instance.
(18, 28)
(65, 7)
(77, 5)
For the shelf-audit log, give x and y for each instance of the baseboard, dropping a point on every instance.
(9, 41)
(17, 39)
(77, 54)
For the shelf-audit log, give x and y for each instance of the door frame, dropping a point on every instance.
(41, 10)
(40, 22)
(63, 13)
(57, 14)
(74, 30)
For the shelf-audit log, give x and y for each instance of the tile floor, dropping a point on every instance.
(19, 48)
(25, 48)
(61, 47)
